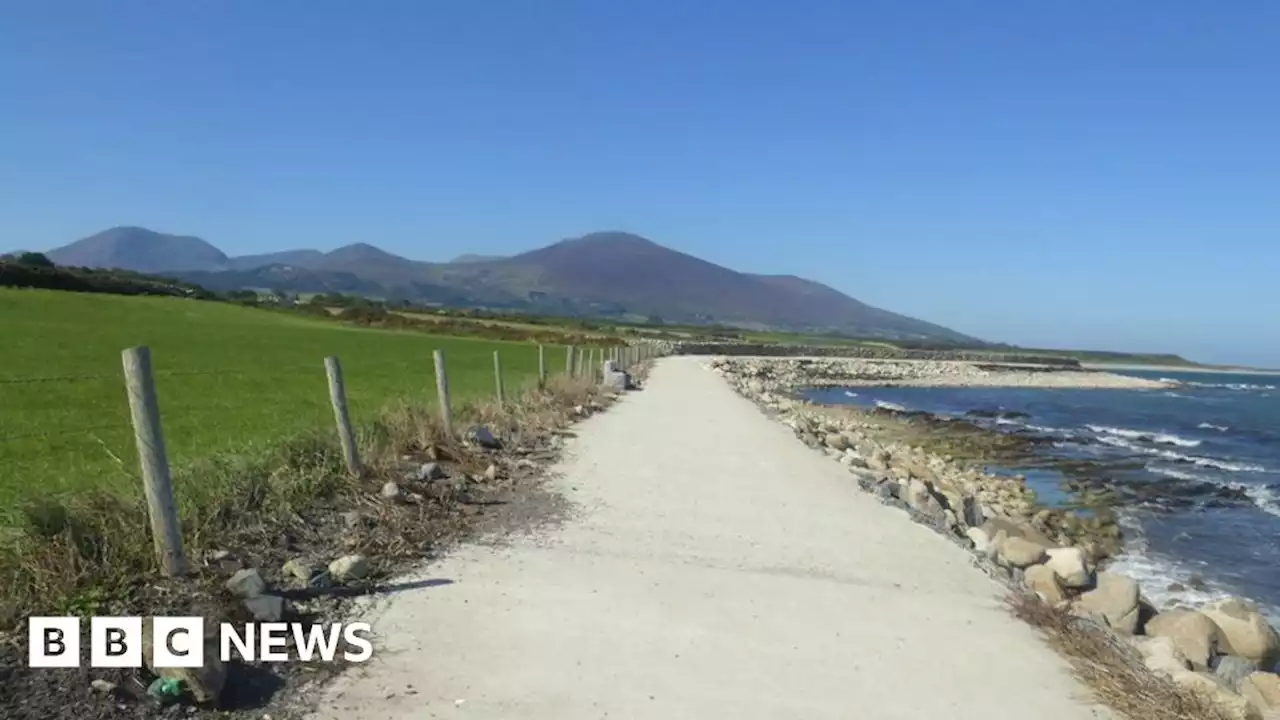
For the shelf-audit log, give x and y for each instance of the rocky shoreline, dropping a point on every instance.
(1224, 653)
(856, 372)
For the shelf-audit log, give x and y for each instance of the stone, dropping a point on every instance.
(390, 491)
(1194, 634)
(978, 536)
(1236, 706)
(104, 686)
(1231, 670)
(1245, 632)
(1042, 580)
(491, 473)
(972, 512)
(1262, 690)
(350, 567)
(1069, 564)
(266, 608)
(482, 436)
(1161, 655)
(1016, 529)
(1116, 599)
(247, 583)
(298, 569)
(205, 682)
(1017, 552)
(430, 471)
(352, 519)
(617, 380)
(837, 441)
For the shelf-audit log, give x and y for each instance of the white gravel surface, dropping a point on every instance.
(714, 568)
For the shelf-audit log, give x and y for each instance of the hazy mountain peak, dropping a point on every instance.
(140, 249)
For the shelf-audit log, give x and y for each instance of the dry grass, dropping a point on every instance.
(1112, 669)
(89, 552)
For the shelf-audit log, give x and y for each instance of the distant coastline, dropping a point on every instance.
(1179, 368)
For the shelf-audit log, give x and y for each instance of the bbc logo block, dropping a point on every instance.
(177, 642)
(180, 642)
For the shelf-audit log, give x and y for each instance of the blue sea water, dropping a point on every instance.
(1213, 430)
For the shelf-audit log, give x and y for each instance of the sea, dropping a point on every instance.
(1199, 463)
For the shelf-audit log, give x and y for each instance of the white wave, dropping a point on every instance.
(850, 393)
(890, 406)
(1176, 474)
(1266, 498)
(1211, 426)
(1175, 381)
(1233, 386)
(1179, 457)
(1161, 438)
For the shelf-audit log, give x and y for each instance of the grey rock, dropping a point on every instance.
(390, 491)
(350, 567)
(352, 519)
(266, 608)
(104, 686)
(1232, 669)
(430, 471)
(491, 473)
(482, 436)
(247, 583)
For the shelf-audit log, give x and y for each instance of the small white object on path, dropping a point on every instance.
(715, 568)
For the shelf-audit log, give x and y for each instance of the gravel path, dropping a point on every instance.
(714, 567)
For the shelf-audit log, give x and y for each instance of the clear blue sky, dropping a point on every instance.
(1080, 173)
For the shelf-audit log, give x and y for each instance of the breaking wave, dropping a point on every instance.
(1159, 438)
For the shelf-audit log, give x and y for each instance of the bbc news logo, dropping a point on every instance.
(179, 642)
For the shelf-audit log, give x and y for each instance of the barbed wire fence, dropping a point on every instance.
(143, 422)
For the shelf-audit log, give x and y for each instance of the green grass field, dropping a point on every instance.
(229, 379)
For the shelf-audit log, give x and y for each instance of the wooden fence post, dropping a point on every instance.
(497, 375)
(442, 393)
(568, 361)
(542, 366)
(144, 409)
(338, 398)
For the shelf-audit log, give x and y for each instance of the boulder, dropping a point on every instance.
(1069, 564)
(1262, 690)
(1116, 599)
(837, 441)
(1161, 655)
(1231, 670)
(1207, 687)
(1245, 632)
(247, 583)
(1044, 582)
(1017, 552)
(1194, 634)
(351, 567)
(205, 682)
(978, 536)
(390, 491)
(1016, 529)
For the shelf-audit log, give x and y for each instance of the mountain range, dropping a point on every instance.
(614, 274)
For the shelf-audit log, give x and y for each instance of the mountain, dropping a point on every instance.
(135, 248)
(612, 274)
(294, 258)
(472, 258)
